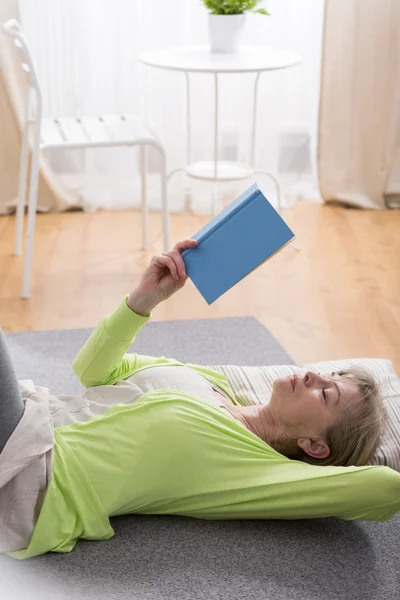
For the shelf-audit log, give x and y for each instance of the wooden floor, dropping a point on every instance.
(338, 297)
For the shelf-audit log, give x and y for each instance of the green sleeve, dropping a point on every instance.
(103, 359)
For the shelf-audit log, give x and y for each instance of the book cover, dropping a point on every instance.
(239, 239)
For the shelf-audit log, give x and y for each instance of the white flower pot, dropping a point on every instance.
(226, 32)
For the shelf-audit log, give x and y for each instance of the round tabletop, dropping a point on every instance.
(200, 59)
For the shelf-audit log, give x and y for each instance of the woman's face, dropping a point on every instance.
(306, 406)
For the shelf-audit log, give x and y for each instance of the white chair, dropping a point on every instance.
(69, 132)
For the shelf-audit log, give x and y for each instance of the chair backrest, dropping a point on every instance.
(13, 29)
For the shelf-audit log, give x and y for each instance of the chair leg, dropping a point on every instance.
(143, 172)
(22, 182)
(32, 204)
(164, 200)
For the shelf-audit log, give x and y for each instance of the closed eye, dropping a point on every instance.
(324, 395)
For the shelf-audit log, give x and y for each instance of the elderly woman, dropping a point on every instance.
(154, 436)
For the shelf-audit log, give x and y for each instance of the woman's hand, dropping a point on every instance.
(165, 275)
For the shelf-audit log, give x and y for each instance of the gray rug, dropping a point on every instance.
(157, 557)
(46, 356)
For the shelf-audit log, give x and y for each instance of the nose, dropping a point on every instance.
(311, 379)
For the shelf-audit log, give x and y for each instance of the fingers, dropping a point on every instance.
(177, 259)
(185, 244)
(173, 259)
(175, 255)
(166, 261)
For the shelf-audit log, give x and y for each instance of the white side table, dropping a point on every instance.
(199, 59)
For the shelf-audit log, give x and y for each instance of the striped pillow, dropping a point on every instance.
(253, 385)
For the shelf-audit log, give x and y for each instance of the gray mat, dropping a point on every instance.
(46, 356)
(157, 557)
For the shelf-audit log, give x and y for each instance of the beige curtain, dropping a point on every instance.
(359, 122)
(52, 195)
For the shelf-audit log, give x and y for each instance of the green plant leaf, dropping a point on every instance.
(234, 7)
(212, 5)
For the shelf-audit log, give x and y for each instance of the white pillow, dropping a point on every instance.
(253, 385)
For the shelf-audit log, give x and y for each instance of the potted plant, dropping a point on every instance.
(226, 22)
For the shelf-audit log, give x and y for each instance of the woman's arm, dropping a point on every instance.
(11, 403)
(368, 493)
(102, 360)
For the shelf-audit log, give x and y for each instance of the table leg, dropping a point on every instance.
(186, 191)
(215, 184)
(253, 131)
(188, 121)
(253, 145)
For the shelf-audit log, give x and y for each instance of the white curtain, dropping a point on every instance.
(87, 56)
(359, 133)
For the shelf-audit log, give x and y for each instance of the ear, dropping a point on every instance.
(314, 447)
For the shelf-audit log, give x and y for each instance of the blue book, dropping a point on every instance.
(234, 243)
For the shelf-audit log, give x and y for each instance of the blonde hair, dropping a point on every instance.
(354, 439)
